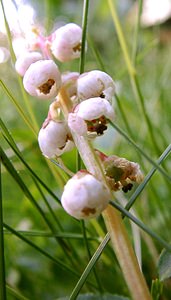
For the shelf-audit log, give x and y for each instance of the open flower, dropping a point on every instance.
(25, 60)
(66, 42)
(54, 138)
(42, 79)
(91, 117)
(95, 84)
(84, 197)
(120, 172)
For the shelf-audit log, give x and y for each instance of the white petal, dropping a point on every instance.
(94, 108)
(39, 74)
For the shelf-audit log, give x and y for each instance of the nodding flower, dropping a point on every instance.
(24, 61)
(66, 42)
(90, 117)
(84, 197)
(42, 79)
(95, 84)
(54, 138)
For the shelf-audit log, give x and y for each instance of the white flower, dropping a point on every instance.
(42, 79)
(91, 116)
(84, 197)
(54, 138)
(66, 42)
(25, 60)
(95, 84)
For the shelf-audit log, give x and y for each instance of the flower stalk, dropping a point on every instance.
(114, 223)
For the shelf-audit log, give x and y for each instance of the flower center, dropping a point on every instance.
(88, 211)
(46, 87)
(77, 47)
(97, 125)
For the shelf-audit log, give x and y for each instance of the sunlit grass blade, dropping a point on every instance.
(145, 228)
(2, 252)
(89, 267)
(147, 179)
(130, 141)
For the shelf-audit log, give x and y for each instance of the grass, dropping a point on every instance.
(44, 252)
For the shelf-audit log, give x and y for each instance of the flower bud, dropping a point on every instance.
(42, 79)
(90, 116)
(66, 42)
(95, 84)
(84, 197)
(25, 60)
(54, 138)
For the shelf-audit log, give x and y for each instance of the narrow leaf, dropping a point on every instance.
(164, 265)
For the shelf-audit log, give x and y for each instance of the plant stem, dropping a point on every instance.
(114, 223)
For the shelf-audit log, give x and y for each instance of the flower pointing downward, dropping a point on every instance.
(84, 197)
(91, 117)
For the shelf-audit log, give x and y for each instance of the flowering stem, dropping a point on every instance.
(114, 223)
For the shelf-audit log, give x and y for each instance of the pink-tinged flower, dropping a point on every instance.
(24, 61)
(66, 42)
(95, 84)
(54, 138)
(91, 117)
(42, 79)
(84, 197)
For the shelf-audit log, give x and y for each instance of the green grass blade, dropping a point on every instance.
(2, 252)
(132, 71)
(18, 107)
(84, 33)
(89, 267)
(141, 225)
(130, 141)
(89, 255)
(37, 248)
(17, 295)
(136, 35)
(13, 145)
(147, 178)
(66, 235)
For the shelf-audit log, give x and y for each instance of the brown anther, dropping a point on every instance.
(46, 87)
(102, 95)
(127, 187)
(88, 211)
(77, 48)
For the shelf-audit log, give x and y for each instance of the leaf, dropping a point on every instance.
(97, 297)
(164, 265)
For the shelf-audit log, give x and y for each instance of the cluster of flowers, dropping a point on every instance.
(88, 110)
